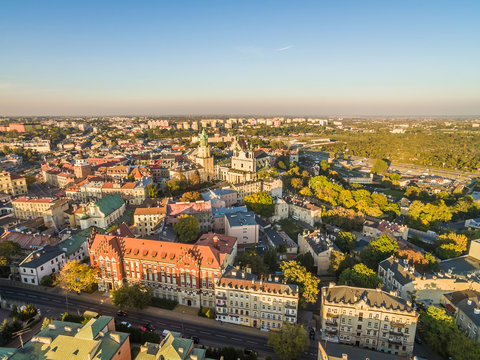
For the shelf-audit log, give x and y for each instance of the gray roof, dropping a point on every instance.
(40, 257)
(273, 236)
(467, 301)
(400, 274)
(241, 218)
(220, 212)
(373, 297)
(461, 265)
(320, 242)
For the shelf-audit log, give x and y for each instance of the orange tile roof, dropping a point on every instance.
(128, 185)
(27, 241)
(41, 200)
(150, 211)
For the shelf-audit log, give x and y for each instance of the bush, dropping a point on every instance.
(138, 336)
(206, 312)
(228, 353)
(164, 303)
(48, 280)
(7, 329)
(74, 318)
(23, 315)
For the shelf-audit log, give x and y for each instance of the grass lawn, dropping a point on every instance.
(395, 193)
(291, 227)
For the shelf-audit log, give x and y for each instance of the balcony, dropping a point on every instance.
(395, 341)
(290, 306)
(396, 332)
(331, 331)
(397, 324)
(222, 304)
(332, 322)
(290, 315)
(221, 296)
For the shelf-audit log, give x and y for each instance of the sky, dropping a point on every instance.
(239, 57)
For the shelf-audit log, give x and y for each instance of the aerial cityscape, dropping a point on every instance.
(240, 180)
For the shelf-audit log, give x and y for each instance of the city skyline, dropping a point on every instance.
(215, 58)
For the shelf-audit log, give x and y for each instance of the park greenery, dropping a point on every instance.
(260, 203)
(76, 277)
(9, 251)
(442, 334)
(360, 275)
(186, 228)
(297, 274)
(136, 296)
(378, 250)
(289, 342)
(345, 241)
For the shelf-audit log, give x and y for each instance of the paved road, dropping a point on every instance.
(52, 305)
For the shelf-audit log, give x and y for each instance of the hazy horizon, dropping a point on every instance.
(272, 57)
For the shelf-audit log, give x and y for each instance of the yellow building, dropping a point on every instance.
(369, 318)
(243, 299)
(147, 220)
(51, 210)
(12, 184)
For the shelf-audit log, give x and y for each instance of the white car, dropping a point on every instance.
(127, 324)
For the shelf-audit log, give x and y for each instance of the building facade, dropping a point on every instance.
(103, 213)
(320, 246)
(186, 273)
(369, 318)
(12, 184)
(243, 299)
(51, 210)
(147, 221)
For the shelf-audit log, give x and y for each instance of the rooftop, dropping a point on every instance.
(241, 219)
(40, 257)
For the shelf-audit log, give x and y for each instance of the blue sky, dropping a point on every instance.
(239, 57)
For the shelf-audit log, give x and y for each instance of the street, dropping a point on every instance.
(212, 334)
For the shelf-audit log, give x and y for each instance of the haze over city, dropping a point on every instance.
(244, 57)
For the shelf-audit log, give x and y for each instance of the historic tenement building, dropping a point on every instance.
(186, 273)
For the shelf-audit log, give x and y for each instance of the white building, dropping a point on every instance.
(243, 226)
(40, 263)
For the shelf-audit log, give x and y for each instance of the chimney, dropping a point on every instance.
(344, 357)
(180, 350)
(115, 337)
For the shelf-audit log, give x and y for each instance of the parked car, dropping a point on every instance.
(149, 327)
(121, 313)
(127, 324)
(248, 351)
(196, 339)
(143, 328)
(312, 334)
(165, 332)
(418, 340)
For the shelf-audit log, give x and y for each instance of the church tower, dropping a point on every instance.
(204, 157)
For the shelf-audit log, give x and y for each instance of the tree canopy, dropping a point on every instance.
(379, 166)
(191, 196)
(186, 228)
(136, 296)
(298, 274)
(289, 342)
(378, 250)
(345, 241)
(260, 203)
(360, 275)
(76, 277)
(9, 250)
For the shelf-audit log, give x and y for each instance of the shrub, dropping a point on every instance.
(23, 315)
(74, 318)
(48, 280)
(206, 312)
(164, 303)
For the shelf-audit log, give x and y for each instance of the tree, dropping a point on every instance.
(191, 196)
(186, 228)
(9, 250)
(152, 191)
(378, 250)
(260, 203)
(253, 261)
(460, 241)
(345, 241)
(361, 276)
(195, 179)
(289, 342)
(306, 191)
(306, 260)
(75, 277)
(270, 259)
(298, 274)
(336, 259)
(379, 166)
(296, 183)
(281, 165)
(136, 296)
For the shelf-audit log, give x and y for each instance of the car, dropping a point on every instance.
(127, 324)
(149, 327)
(165, 332)
(418, 340)
(196, 339)
(121, 313)
(248, 351)
(312, 334)
(143, 328)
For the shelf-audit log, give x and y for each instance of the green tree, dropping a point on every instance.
(136, 296)
(253, 261)
(306, 260)
(379, 166)
(289, 342)
(296, 183)
(9, 250)
(152, 191)
(378, 250)
(281, 165)
(336, 259)
(361, 276)
(345, 241)
(260, 203)
(186, 228)
(191, 196)
(298, 274)
(75, 277)
(270, 259)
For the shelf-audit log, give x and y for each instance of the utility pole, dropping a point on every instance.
(20, 333)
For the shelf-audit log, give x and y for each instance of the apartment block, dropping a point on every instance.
(12, 184)
(243, 299)
(369, 318)
(51, 210)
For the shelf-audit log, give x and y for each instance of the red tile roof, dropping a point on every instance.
(27, 241)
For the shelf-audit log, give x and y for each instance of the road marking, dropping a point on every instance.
(251, 342)
(221, 336)
(236, 339)
(204, 332)
(44, 298)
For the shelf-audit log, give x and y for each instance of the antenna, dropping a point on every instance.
(20, 333)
